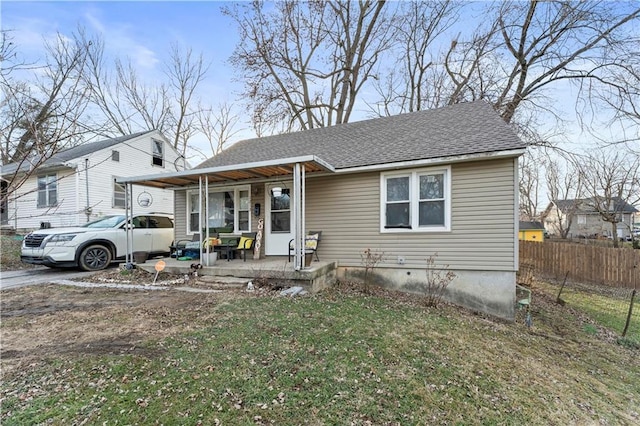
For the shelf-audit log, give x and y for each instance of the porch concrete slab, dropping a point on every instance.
(319, 275)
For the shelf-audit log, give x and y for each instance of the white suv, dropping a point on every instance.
(95, 245)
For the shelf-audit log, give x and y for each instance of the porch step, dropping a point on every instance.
(213, 281)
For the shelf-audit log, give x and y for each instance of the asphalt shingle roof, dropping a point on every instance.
(530, 225)
(77, 151)
(461, 129)
(586, 205)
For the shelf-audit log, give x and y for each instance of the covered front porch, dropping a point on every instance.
(263, 202)
(275, 269)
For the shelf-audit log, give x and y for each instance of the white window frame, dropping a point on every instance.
(414, 199)
(113, 199)
(49, 187)
(236, 206)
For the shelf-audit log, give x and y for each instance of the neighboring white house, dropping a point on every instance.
(77, 185)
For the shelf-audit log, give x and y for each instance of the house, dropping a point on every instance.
(531, 231)
(438, 183)
(77, 185)
(581, 218)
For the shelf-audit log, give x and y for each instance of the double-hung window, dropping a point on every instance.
(228, 210)
(47, 190)
(158, 153)
(119, 194)
(416, 200)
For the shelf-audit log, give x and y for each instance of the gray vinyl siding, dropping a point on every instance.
(347, 209)
(180, 214)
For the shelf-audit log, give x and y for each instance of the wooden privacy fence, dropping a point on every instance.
(601, 265)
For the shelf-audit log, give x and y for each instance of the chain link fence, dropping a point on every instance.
(615, 308)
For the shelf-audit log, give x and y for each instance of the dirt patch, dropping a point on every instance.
(43, 322)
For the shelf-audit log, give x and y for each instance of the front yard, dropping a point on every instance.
(103, 356)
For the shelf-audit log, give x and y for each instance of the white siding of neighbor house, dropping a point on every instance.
(135, 159)
(24, 212)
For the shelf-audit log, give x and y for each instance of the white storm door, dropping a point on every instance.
(279, 220)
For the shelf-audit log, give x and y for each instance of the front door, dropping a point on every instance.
(278, 218)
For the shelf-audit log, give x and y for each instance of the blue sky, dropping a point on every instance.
(141, 30)
(144, 31)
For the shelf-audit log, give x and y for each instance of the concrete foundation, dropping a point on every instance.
(490, 292)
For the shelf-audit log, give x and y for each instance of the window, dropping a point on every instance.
(119, 194)
(229, 211)
(281, 213)
(47, 190)
(160, 222)
(243, 211)
(115, 155)
(416, 201)
(158, 153)
(582, 219)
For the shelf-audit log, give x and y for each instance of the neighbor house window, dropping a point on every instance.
(119, 194)
(582, 219)
(115, 155)
(417, 200)
(228, 211)
(158, 153)
(47, 190)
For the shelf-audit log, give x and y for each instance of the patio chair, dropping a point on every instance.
(180, 245)
(311, 242)
(245, 244)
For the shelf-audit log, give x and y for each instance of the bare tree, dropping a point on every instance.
(185, 72)
(612, 182)
(217, 125)
(44, 115)
(530, 182)
(564, 189)
(416, 81)
(128, 105)
(304, 63)
(548, 42)
(520, 51)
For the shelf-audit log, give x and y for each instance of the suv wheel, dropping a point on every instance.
(95, 258)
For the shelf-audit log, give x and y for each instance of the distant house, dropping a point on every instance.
(78, 184)
(531, 231)
(581, 218)
(410, 186)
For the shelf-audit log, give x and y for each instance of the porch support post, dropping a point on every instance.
(206, 221)
(127, 223)
(298, 215)
(200, 214)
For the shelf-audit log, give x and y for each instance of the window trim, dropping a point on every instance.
(414, 199)
(154, 143)
(113, 197)
(236, 202)
(48, 203)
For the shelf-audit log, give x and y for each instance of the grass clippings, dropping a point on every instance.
(99, 356)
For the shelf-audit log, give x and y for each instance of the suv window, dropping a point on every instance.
(140, 222)
(160, 222)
